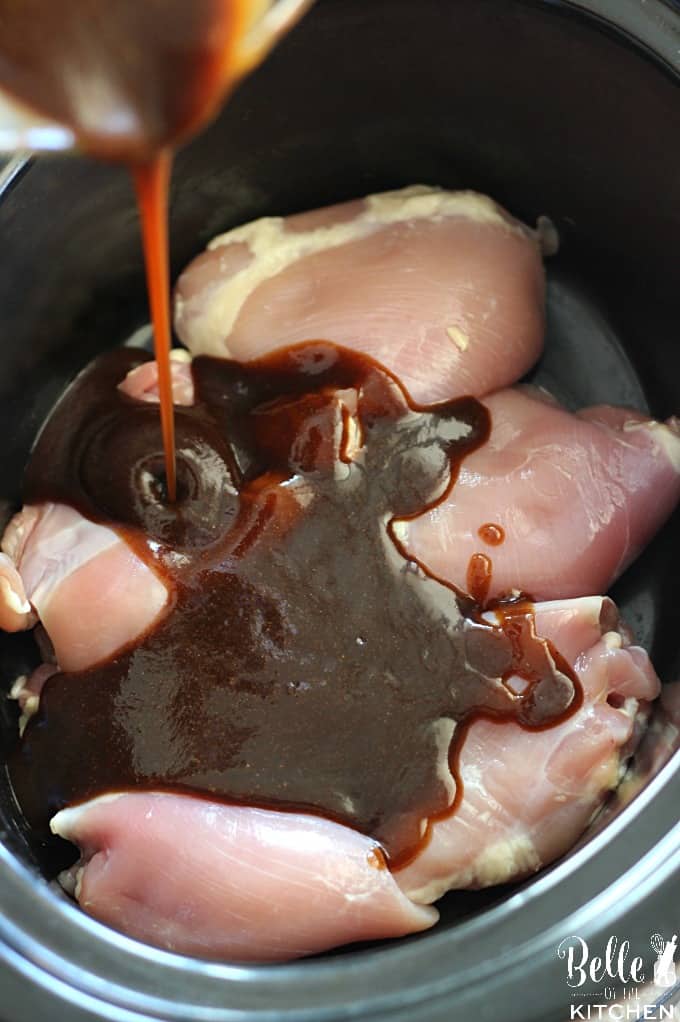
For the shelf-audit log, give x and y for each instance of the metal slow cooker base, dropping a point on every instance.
(566, 109)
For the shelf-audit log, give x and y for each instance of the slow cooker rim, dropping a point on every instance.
(640, 829)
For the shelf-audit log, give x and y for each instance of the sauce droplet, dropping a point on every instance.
(479, 577)
(491, 533)
(376, 858)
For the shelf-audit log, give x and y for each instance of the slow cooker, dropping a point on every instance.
(564, 108)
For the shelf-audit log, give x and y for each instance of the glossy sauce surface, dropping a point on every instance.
(491, 533)
(479, 576)
(305, 661)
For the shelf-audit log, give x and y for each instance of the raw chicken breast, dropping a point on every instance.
(249, 884)
(577, 496)
(141, 383)
(444, 288)
(528, 796)
(231, 881)
(91, 592)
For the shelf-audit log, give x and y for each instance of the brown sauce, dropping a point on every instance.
(152, 182)
(479, 576)
(305, 662)
(491, 534)
(376, 858)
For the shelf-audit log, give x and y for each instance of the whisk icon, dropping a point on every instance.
(664, 966)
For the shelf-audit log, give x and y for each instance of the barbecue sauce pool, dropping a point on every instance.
(304, 662)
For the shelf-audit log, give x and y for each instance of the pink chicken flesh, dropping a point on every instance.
(570, 492)
(92, 593)
(447, 291)
(528, 796)
(432, 284)
(244, 884)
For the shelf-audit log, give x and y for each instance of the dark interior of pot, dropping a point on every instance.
(539, 106)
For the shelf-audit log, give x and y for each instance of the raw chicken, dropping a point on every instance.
(92, 593)
(528, 796)
(570, 492)
(260, 885)
(444, 288)
(231, 881)
(141, 383)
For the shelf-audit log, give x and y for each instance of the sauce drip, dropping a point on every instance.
(305, 662)
(515, 617)
(152, 182)
(479, 575)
